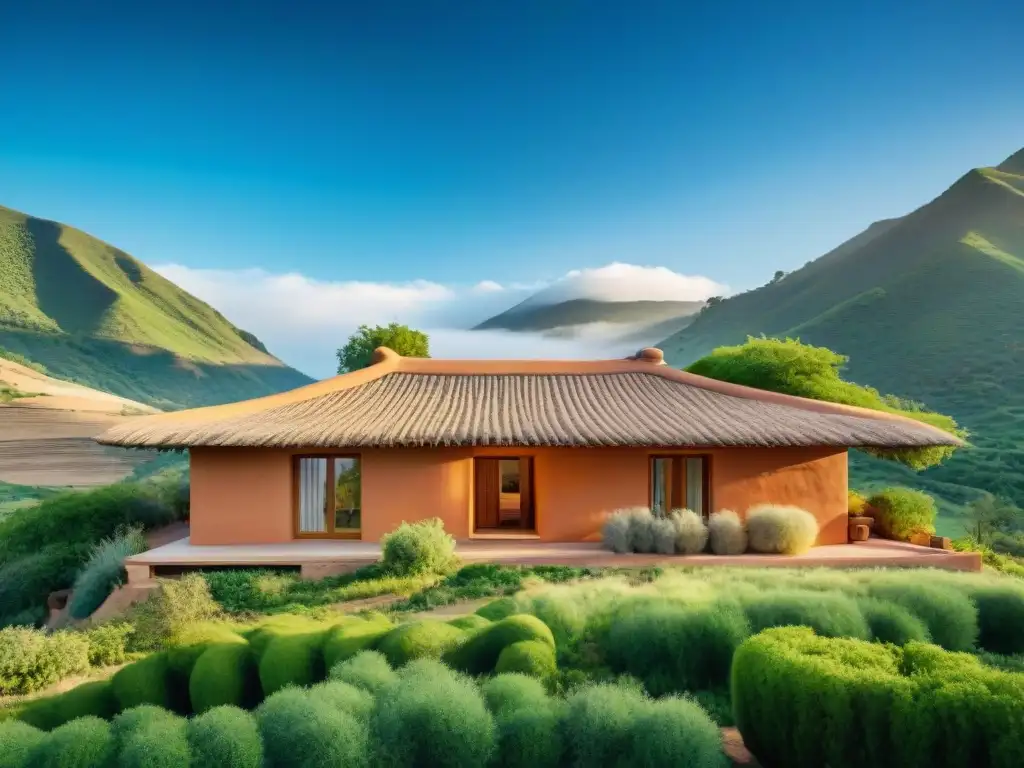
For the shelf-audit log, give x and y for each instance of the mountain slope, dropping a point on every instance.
(532, 316)
(928, 306)
(94, 314)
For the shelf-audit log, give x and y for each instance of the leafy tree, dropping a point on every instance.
(989, 514)
(779, 274)
(787, 366)
(358, 351)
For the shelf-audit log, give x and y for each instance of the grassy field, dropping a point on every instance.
(91, 313)
(927, 307)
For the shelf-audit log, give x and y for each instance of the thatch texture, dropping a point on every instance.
(634, 402)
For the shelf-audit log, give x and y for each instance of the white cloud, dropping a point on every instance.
(303, 321)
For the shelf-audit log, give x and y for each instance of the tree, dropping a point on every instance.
(989, 514)
(779, 274)
(787, 366)
(358, 351)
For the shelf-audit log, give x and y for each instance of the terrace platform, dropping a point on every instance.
(316, 559)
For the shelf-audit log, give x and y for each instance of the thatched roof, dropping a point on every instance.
(638, 401)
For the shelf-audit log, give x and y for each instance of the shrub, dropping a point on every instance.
(529, 738)
(31, 659)
(26, 582)
(108, 643)
(496, 610)
(225, 673)
(292, 659)
(832, 614)
(663, 530)
(176, 606)
(900, 512)
(418, 548)
(867, 704)
(427, 638)
(344, 697)
(951, 617)
(345, 641)
(368, 670)
(153, 740)
(96, 698)
(82, 743)
(191, 643)
(615, 532)
(470, 623)
(479, 654)
(300, 731)
(143, 682)
(431, 716)
(104, 571)
(529, 657)
(674, 731)
(856, 503)
(224, 737)
(641, 530)
(17, 741)
(780, 530)
(135, 718)
(510, 691)
(891, 623)
(674, 647)
(727, 533)
(691, 533)
(1000, 617)
(597, 724)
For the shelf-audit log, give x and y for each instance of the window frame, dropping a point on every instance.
(330, 533)
(677, 471)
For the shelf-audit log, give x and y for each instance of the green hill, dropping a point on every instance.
(91, 313)
(531, 315)
(929, 306)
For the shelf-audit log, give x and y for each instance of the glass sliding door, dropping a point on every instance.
(328, 497)
(678, 482)
(661, 486)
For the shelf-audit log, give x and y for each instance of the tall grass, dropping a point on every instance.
(104, 571)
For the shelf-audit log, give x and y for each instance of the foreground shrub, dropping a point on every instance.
(192, 642)
(499, 609)
(300, 731)
(805, 701)
(368, 670)
(674, 731)
(528, 657)
(108, 643)
(104, 571)
(529, 738)
(510, 691)
(176, 606)
(431, 716)
(900, 512)
(292, 659)
(224, 737)
(143, 682)
(673, 647)
(344, 697)
(479, 654)
(151, 738)
(832, 614)
(951, 617)
(26, 581)
(597, 725)
(224, 674)
(727, 533)
(1000, 617)
(891, 623)
(96, 699)
(345, 641)
(418, 548)
(82, 743)
(427, 638)
(780, 529)
(17, 741)
(691, 533)
(31, 659)
(470, 623)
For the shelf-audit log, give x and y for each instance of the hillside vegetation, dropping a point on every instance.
(93, 314)
(928, 306)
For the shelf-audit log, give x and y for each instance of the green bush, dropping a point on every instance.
(292, 659)
(344, 697)
(479, 654)
(891, 623)
(17, 741)
(615, 532)
(691, 534)
(856, 503)
(178, 605)
(146, 681)
(96, 698)
(832, 614)
(529, 738)
(131, 720)
(31, 659)
(674, 731)
(108, 643)
(152, 740)
(727, 533)
(192, 642)
(598, 724)
(427, 638)
(470, 623)
(674, 647)
(900, 512)
(225, 673)
(299, 731)
(82, 743)
(511, 690)
(104, 571)
(345, 641)
(431, 716)
(784, 530)
(1000, 617)
(27, 581)
(418, 548)
(499, 609)
(529, 657)
(951, 617)
(224, 737)
(806, 701)
(368, 670)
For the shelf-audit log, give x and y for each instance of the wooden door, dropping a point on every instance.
(487, 482)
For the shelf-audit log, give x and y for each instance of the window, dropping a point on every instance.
(677, 482)
(329, 490)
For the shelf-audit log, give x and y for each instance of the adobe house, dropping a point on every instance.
(535, 449)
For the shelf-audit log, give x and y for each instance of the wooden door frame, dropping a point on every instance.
(330, 533)
(532, 483)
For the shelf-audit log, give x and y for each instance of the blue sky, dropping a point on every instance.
(455, 142)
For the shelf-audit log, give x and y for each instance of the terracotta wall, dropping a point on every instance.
(245, 495)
